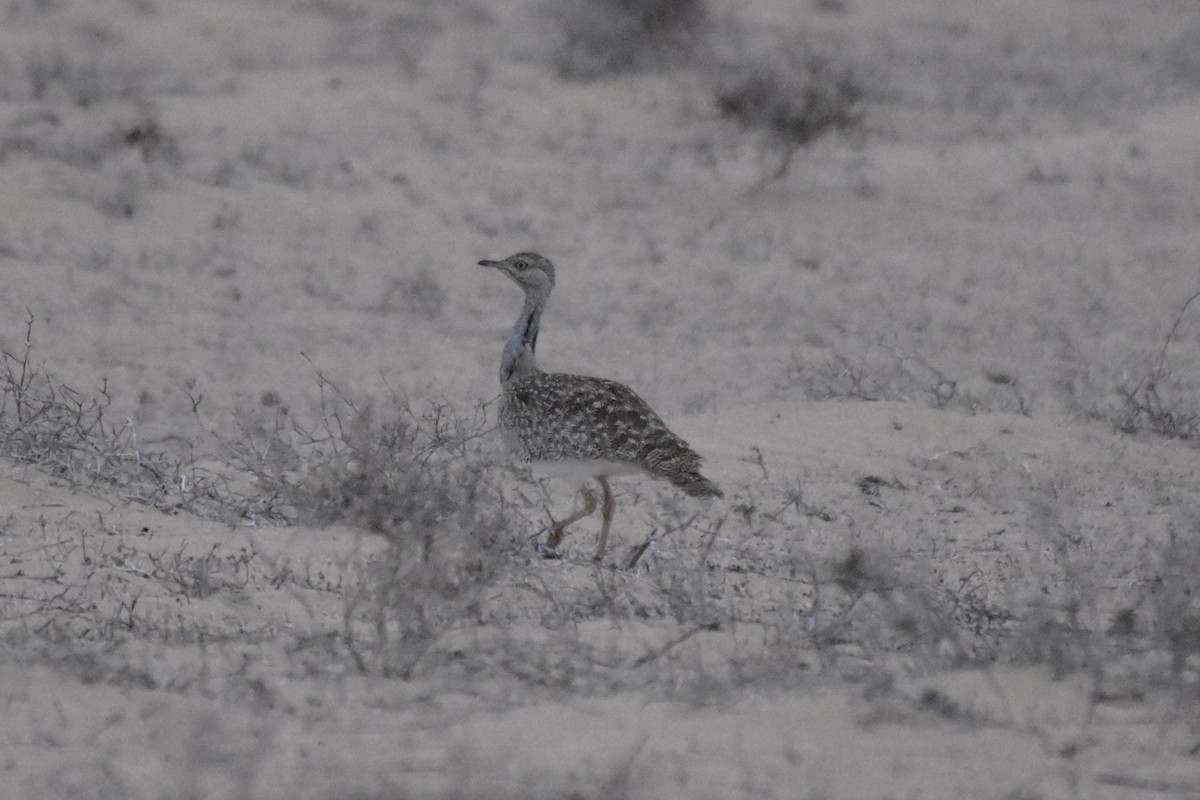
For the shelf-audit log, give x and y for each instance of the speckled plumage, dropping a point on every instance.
(558, 417)
(551, 416)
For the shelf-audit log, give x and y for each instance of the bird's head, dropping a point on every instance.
(531, 272)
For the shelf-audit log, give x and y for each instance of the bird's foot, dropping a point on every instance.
(547, 551)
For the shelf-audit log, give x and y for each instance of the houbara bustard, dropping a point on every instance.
(576, 426)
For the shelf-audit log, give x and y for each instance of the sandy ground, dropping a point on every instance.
(909, 350)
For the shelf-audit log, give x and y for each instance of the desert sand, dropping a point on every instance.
(944, 368)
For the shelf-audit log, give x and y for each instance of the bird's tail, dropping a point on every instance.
(695, 484)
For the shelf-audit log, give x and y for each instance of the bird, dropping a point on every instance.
(577, 426)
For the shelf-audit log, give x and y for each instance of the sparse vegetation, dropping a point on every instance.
(416, 480)
(792, 90)
(72, 435)
(424, 483)
(68, 432)
(225, 573)
(442, 586)
(1156, 402)
(795, 95)
(881, 372)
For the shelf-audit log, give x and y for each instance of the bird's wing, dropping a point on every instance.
(576, 416)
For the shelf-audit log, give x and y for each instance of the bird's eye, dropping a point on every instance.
(521, 266)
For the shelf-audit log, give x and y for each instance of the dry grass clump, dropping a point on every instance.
(417, 479)
(785, 85)
(1147, 406)
(796, 97)
(608, 37)
(1159, 402)
(73, 435)
(881, 372)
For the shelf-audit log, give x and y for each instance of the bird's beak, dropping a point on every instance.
(487, 263)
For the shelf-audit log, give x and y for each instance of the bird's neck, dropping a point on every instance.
(519, 359)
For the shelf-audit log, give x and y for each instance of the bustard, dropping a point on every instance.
(578, 426)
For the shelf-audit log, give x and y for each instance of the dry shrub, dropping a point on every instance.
(792, 90)
(881, 372)
(1154, 405)
(1160, 402)
(796, 99)
(416, 478)
(72, 434)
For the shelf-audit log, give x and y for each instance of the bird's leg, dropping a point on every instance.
(558, 529)
(607, 508)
